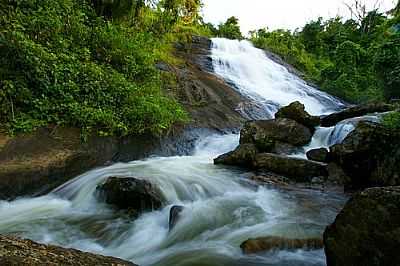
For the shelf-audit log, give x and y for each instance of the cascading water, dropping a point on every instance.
(265, 82)
(222, 208)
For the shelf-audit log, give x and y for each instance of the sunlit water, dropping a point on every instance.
(222, 207)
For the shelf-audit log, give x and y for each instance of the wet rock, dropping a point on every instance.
(130, 194)
(336, 175)
(265, 244)
(20, 252)
(319, 155)
(369, 156)
(296, 111)
(285, 148)
(270, 179)
(243, 155)
(355, 111)
(367, 230)
(174, 215)
(266, 133)
(295, 168)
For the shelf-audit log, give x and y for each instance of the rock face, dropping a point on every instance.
(297, 169)
(266, 133)
(244, 156)
(359, 110)
(296, 111)
(319, 155)
(130, 194)
(265, 244)
(19, 252)
(367, 230)
(210, 102)
(174, 216)
(369, 156)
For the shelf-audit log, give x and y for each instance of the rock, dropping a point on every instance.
(369, 156)
(266, 133)
(130, 194)
(19, 252)
(367, 230)
(336, 174)
(296, 111)
(38, 162)
(295, 168)
(174, 216)
(319, 155)
(265, 244)
(270, 179)
(243, 155)
(355, 111)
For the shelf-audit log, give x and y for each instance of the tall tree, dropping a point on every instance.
(230, 29)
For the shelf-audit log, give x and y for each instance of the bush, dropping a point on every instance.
(392, 120)
(61, 64)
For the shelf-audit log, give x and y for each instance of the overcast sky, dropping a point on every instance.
(287, 14)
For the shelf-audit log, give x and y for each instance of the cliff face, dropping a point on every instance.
(209, 100)
(36, 163)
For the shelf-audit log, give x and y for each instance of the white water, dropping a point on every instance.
(265, 82)
(222, 208)
(325, 137)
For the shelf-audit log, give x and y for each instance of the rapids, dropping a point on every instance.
(222, 207)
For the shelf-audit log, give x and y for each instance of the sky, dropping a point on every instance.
(274, 14)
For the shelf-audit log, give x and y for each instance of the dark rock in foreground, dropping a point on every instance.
(356, 111)
(367, 230)
(369, 156)
(319, 155)
(298, 169)
(174, 216)
(19, 252)
(243, 155)
(266, 133)
(130, 194)
(265, 244)
(296, 111)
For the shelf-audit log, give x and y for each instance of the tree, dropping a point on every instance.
(311, 35)
(230, 29)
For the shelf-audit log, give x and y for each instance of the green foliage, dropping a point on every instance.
(62, 64)
(392, 121)
(358, 61)
(230, 29)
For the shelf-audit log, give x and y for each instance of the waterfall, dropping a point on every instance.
(222, 207)
(265, 82)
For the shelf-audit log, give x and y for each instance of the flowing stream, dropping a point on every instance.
(222, 207)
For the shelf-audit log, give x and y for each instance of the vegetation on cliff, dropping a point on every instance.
(356, 59)
(90, 64)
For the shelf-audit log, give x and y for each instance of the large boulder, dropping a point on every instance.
(319, 155)
(296, 111)
(265, 134)
(355, 111)
(20, 252)
(367, 230)
(265, 244)
(130, 194)
(243, 155)
(369, 156)
(295, 168)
